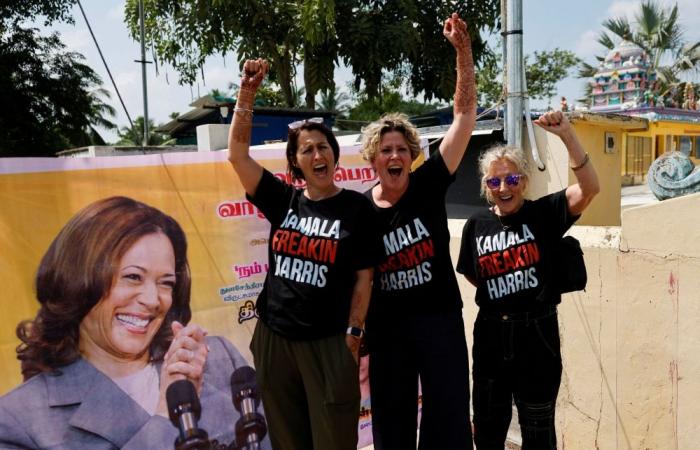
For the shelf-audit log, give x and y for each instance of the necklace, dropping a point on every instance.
(503, 225)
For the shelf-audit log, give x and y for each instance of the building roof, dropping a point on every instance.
(626, 49)
(623, 121)
(206, 110)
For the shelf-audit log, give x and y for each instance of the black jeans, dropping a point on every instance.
(516, 358)
(434, 348)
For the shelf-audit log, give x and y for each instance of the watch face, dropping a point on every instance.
(354, 331)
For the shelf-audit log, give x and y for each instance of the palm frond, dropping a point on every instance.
(605, 40)
(586, 70)
(619, 26)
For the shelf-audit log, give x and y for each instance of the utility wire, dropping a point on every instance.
(133, 128)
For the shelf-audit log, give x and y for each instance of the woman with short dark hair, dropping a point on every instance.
(312, 308)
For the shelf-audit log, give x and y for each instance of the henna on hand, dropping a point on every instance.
(242, 127)
(456, 32)
(254, 72)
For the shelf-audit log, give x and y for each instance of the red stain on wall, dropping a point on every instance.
(672, 283)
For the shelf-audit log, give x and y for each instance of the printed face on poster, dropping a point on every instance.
(227, 235)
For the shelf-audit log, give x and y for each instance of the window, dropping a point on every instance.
(638, 155)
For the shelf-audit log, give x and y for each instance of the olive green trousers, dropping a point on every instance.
(310, 391)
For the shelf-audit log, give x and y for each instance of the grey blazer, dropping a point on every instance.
(81, 408)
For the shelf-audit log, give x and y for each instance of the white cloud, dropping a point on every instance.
(116, 12)
(587, 46)
(126, 79)
(77, 40)
(624, 8)
(689, 13)
(218, 77)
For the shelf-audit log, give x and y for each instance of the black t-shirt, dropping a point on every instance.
(416, 275)
(315, 249)
(510, 257)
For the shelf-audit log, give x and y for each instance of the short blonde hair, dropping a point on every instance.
(372, 135)
(513, 154)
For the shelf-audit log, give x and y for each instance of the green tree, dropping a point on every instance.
(269, 94)
(133, 136)
(368, 108)
(489, 82)
(51, 99)
(99, 116)
(655, 29)
(14, 13)
(184, 33)
(543, 70)
(333, 100)
(405, 37)
(370, 36)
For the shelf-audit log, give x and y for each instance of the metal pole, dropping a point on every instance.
(143, 77)
(514, 72)
(504, 52)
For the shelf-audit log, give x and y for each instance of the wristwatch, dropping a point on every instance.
(355, 331)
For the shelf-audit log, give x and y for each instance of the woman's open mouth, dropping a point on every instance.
(395, 171)
(320, 169)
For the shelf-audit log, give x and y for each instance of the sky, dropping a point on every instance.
(566, 24)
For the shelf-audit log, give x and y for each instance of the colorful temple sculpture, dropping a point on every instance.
(664, 152)
(624, 80)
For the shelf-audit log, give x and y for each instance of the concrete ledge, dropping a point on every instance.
(665, 228)
(597, 237)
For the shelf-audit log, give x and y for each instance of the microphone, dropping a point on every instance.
(184, 411)
(250, 428)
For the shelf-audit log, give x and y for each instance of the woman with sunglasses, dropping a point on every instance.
(415, 328)
(314, 301)
(507, 253)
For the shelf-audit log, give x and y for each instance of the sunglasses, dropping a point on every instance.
(510, 180)
(298, 123)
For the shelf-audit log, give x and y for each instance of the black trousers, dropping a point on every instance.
(516, 358)
(433, 348)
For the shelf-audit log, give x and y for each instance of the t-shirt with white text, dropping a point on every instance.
(314, 251)
(416, 276)
(510, 257)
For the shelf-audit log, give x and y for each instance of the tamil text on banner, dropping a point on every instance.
(227, 235)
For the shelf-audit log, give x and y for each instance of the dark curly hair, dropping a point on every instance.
(78, 270)
(293, 145)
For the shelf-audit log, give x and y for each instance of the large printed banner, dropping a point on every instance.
(227, 235)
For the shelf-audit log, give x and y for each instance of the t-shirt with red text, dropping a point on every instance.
(416, 275)
(510, 257)
(315, 249)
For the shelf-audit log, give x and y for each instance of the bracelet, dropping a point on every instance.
(583, 163)
(243, 110)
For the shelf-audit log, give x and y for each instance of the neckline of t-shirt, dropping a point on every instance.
(395, 205)
(510, 219)
(336, 195)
